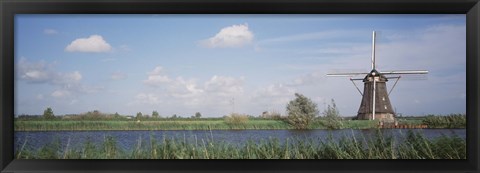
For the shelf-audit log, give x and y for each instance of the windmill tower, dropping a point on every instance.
(375, 98)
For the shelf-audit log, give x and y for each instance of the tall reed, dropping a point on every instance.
(378, 146)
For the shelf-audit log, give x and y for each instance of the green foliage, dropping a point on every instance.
(48, 114)
(332, 117)
(139, 116)
(155, 114)
(163, 124)
(301, 112)
(273, 115)
(235, 119)
(449, 121)
(198, 115)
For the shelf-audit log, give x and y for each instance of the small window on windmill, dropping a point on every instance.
(383, 98)
(385, 106)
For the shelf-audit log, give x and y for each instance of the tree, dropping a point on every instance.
(139, 115)
(301, 112)
(48, 114)
(198, 115)
(332, 117)
(116, 115)
(155, 114)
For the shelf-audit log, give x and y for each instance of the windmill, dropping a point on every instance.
(375, 98)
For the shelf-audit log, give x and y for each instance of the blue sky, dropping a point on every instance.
(216, 64)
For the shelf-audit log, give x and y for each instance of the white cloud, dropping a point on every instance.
(224, 86)
(273, 94)
(33, 72)
(147, 98)
(40, 96)
(66, 84)
(157, 77)
(50, 31)
(308, 79)
(322, 35)
(232, 36)
(181, 88)
(74, 76)
(60, 94)
(275, 90)
(118, 76)
(41, 72)
(94, 43)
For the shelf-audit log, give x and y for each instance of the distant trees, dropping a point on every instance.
(139, 116)
(155, 114)
(198, 115)
(48, 114)
(301, 112)
(271, 115)
(116, 115)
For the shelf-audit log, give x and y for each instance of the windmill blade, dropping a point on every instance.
(356, 79)
(373, 50)
(345, 74)
(394, 72)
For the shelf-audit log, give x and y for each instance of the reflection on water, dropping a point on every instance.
(128, 139)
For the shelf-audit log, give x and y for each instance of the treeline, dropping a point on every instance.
(301, 113)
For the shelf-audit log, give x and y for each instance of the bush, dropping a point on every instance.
(332, 117)
(236, 119)
(301, 112)
(271, 115)
(155, 114)
(48, 114)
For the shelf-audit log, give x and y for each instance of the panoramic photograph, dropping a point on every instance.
(240, 86)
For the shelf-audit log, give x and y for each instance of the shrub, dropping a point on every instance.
(272, 115)
(301, 112)
(139, 116)
(332, 117)
(155, 114)
(236, 119)
(198, 115)
(48, 114)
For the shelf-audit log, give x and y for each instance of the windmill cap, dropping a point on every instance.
(374, 72)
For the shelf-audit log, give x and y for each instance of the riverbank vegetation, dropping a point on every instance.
(301, 113)
(379, 146)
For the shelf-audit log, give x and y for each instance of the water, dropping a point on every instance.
(128, 139)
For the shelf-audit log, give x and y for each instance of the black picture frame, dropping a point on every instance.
(9, 8)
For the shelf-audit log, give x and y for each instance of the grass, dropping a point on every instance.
(30, 125)
(416, 146)
(144, 125)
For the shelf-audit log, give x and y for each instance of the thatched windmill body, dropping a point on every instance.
(375, 98)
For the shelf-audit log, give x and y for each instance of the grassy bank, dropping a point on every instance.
(415, 146)
(144, 125)
(59, 125)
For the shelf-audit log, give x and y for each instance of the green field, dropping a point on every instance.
(62, 125)
(416, 146)
(145, 125)
(38, 124)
